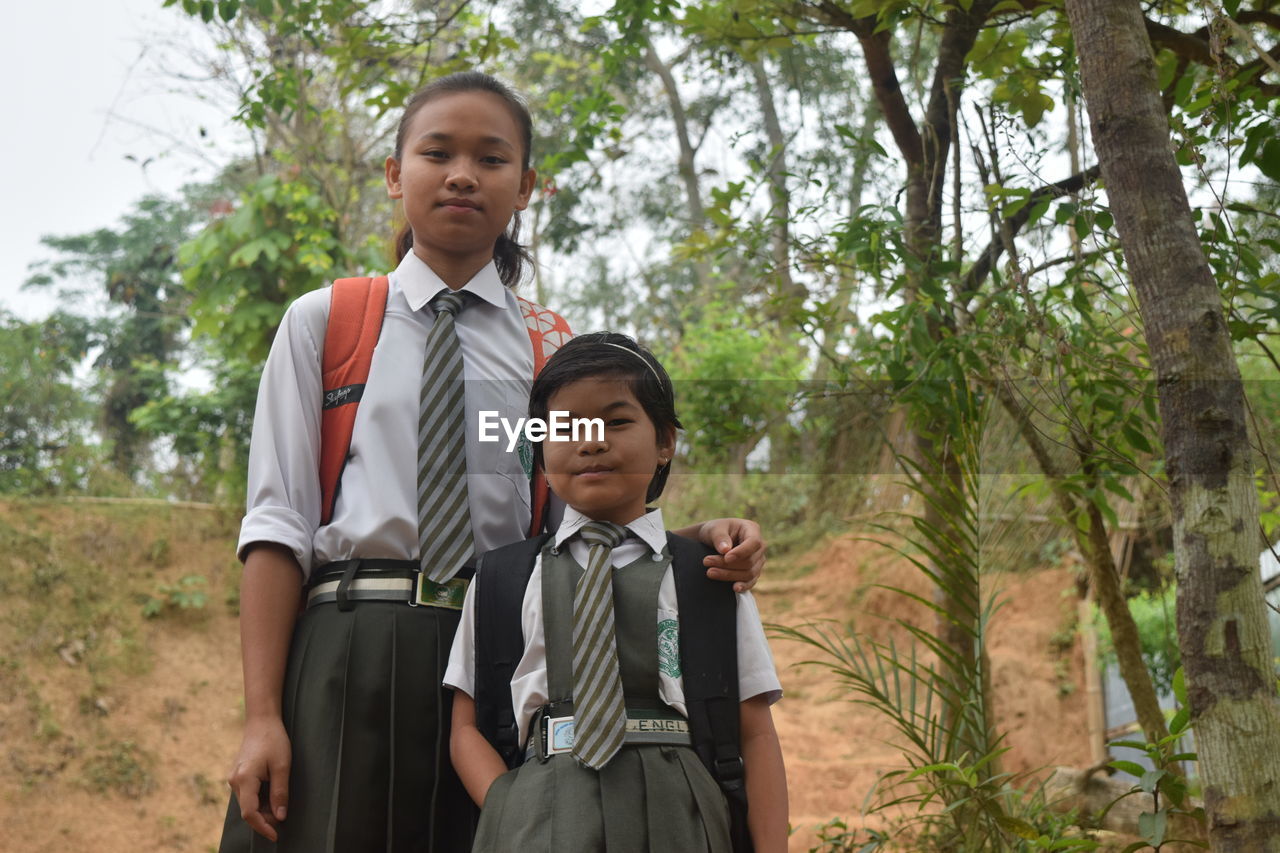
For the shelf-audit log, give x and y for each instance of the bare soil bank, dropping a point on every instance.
(117, 729)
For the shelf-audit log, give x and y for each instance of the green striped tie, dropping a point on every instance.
(444, 517)
(600, 717)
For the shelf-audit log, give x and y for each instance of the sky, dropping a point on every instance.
(83, 92)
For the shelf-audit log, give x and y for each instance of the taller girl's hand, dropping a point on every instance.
(740, 548)
(264, 759)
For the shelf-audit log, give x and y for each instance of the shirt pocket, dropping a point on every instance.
(516, 464)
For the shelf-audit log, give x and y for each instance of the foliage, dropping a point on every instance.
(1153, 611)
(135, 268)
(735, 383)
(836, 836)
(279, 242)
(1165, 784)
(122, 767)
(44, 423)
(934, 695)
(187, 594)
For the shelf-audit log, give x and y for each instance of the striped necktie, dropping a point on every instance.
(600, 717)
(444, 517)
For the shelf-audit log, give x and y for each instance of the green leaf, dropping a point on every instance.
(1269, 159)
(1151, 779)
(1017, 826)
(1152, 826)
(1136, 438)
(1130, 767)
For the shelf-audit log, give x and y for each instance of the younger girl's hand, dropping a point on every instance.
(264, 760)
(740, 548)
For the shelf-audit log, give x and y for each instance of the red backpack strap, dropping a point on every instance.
(548, 331)
(356, 306)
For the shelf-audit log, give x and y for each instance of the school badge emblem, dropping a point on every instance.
(669, 648)
(525, 449)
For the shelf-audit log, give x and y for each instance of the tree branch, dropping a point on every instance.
(986, 261)
(884, 76)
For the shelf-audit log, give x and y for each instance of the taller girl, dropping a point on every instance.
(345, 746)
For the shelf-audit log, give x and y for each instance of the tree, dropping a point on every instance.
(135, 268)
(1222, 625)
(45, 420)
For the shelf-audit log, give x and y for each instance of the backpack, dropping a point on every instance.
(356, 308)
(708, 660)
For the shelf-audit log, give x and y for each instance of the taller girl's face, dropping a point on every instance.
(460, 177)
(605, 477)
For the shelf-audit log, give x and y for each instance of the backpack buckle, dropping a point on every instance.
(729, 769)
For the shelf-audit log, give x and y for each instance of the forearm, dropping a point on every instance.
(474, 758)
(269, 595)
(693, 531)
(767, 813)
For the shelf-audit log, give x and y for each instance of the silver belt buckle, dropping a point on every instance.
(557, 735)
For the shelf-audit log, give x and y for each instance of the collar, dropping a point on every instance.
(648, 528)
(420, 283)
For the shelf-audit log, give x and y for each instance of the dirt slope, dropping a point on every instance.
(117, 730)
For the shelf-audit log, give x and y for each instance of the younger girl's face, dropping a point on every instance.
(460, 177)
(605, 480)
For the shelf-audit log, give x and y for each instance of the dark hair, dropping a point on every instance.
(509, 256)
(609, 355)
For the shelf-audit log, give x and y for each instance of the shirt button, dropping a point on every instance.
(657, 557)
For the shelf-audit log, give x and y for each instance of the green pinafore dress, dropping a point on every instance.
(648, 797)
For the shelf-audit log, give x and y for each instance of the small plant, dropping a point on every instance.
(122, 767)
(1163, 783)
(159, 552)
(187, 594)
(935, 693)
(835, 836)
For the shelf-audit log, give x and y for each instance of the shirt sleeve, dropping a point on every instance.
(460, 673)
(283, 496)
(756, 672)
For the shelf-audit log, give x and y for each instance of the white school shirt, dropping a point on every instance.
(529, 690)
(376, 512)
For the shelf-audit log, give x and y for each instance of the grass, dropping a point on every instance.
(74, 579)
(121, 767)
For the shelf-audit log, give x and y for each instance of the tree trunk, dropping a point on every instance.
(1222, 626)
(924, 150)
(1103, 576)
(788, 294)
(686, 166)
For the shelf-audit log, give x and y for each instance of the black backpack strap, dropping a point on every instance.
(500, 581)
(709, 667)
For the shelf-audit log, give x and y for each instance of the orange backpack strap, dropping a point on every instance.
(356, 306)
(548, 331)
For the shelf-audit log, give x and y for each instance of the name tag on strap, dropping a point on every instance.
(556, 733)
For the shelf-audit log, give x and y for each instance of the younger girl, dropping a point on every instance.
(345, 718)
(601, 650)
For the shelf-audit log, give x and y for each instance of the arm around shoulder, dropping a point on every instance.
(767, 811)
(739, 546)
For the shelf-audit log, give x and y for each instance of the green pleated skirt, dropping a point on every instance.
(648, 799)
(368, 720)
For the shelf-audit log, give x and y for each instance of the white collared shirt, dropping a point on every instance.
(375, 514)
(529, 689)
